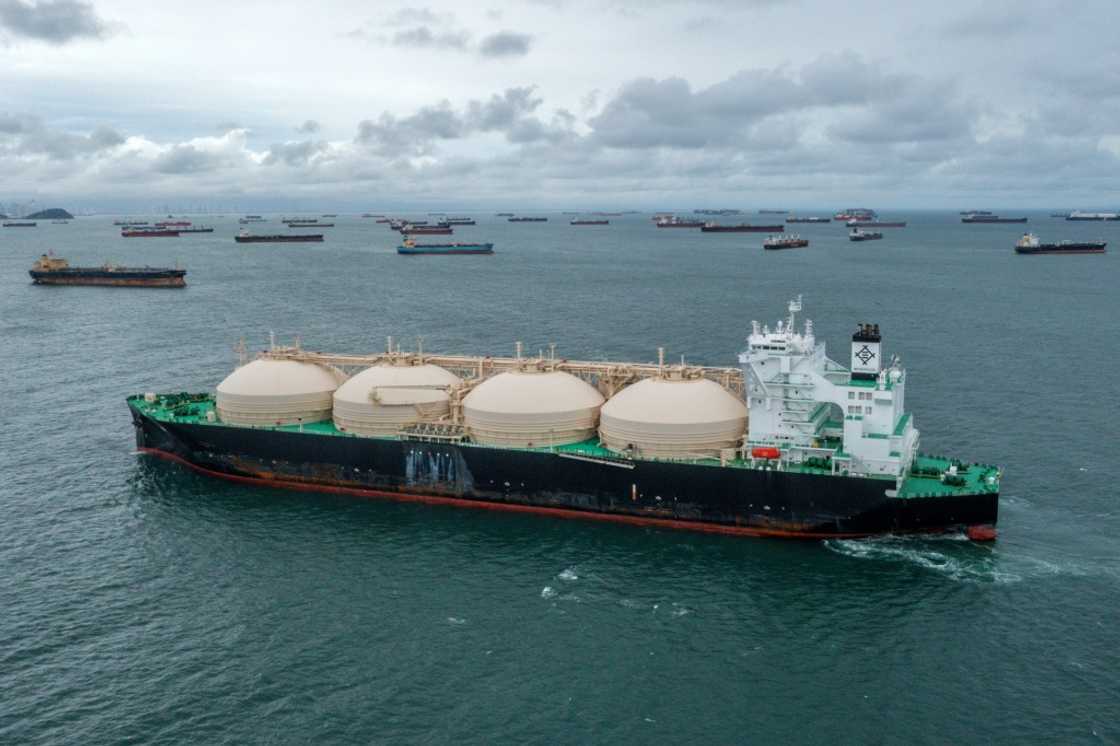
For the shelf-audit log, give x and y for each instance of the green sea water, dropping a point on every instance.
(143, 603)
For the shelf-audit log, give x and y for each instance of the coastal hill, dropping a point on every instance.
(55, 213)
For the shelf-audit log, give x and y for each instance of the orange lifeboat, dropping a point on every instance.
(768, 452)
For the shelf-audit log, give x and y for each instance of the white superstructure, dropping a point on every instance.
(810, 407)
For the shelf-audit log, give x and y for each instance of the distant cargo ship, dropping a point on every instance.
(21, 224)
(675, 222)
(988, 217)
(528, 220)
(784, 241)
(876, 224)
(52, 270)
(460, 221)
(741, 228)
(173, 224)
(131, 222)
(426, 230)
(793, 219)
(975, 212)
(411, 247)
(856, 213)
(859, 234)
(149, 232)
(1077, 215)
(247, 237)
(198, 229)
(590, 222)
(504, 214)
(772, 212)
(1029, 244)
(312, 224)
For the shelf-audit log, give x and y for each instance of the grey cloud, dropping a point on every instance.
(406, 16)
(923, 112)
(309, 127)
(187, 159)
(511, 112)
(505, 44)
(294, 153)
(29, 135)
(422, 37)
(52, 21)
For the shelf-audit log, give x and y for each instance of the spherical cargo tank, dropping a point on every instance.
(530, 408)
(277, 392)
(673, 418)
(385, 398)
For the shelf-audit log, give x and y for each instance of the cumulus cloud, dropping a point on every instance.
(52, 21)
(505, 44)
(422, 37)
(510, 112)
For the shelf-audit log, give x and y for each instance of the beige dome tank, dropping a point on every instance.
(383, 399)
(673, 418)
(277, 392)
(529, 409)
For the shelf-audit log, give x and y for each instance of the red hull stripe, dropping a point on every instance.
(712, 528)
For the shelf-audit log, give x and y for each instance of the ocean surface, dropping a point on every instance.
(143, 603)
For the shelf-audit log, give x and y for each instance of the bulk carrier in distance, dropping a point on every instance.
(786, 444)
(53, 270)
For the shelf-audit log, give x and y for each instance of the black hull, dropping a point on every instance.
(1073, 248)
(675, 495)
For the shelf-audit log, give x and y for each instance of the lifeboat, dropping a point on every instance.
(767, 452)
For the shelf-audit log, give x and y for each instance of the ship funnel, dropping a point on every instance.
(867, 359)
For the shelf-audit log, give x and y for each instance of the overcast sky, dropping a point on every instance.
(565, 103)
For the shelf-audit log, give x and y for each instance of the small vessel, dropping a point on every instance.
(785, 241)
(149, 232)
(586, 221)
(21, 224)
(329, 215)
(409, 229)
(504, 214)
(858, 234)
(672, 221)
(1029, 244)
(528, 220)
(247, 237)
(811, 219)
(411, 247)
(987, 217)
(876, 224)
(711, 227)
(856, 213)
(1078, 215)
(52, 270)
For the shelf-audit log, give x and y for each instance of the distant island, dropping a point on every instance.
(55, 213)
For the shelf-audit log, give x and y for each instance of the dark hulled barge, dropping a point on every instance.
(825, 451)
(1029, 244)
(52, 270)
(712, 227)
(247, 237)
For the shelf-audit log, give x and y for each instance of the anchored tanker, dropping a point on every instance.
(788, 443)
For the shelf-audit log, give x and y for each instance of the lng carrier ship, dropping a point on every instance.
(787, 443)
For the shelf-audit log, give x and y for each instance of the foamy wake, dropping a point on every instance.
(936, 554)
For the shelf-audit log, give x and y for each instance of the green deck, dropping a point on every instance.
(193, 409)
